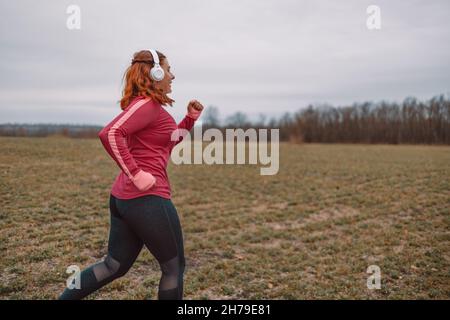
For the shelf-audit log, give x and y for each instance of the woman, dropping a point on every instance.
(140, 140)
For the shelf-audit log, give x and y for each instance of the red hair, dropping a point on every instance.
(138, 81)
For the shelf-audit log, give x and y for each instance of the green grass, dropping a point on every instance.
(309, 232)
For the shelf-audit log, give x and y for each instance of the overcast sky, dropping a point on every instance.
(251, 56)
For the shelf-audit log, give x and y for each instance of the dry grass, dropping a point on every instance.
(309, 232)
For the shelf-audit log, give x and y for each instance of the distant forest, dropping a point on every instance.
(412, 122)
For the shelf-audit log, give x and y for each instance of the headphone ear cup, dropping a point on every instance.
(157, 73)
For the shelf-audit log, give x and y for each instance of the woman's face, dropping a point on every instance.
(165, 84)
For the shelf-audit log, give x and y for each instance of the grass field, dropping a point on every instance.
(309, 232)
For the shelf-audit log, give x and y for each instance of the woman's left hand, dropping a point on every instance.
(194, 109)
(194, 104)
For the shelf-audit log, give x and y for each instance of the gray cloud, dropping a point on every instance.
(251, 56)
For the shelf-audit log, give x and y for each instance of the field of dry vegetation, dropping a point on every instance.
(309, 232)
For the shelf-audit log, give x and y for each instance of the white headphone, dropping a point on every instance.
(156, 72)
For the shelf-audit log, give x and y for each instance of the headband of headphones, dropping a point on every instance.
(154, 55)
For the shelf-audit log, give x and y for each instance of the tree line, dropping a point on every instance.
(411, 121)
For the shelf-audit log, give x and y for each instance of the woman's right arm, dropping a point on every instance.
(114, 139)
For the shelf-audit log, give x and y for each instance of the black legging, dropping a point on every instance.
(149, 220)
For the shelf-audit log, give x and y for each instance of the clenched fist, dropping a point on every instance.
(194, 108)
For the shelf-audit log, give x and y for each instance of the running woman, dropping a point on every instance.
(140, 140)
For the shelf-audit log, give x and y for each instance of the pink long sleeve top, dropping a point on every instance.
(139, 141)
